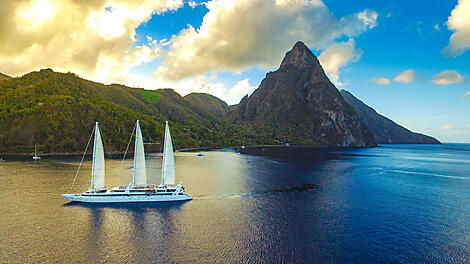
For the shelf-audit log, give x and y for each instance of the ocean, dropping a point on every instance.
(392, 204)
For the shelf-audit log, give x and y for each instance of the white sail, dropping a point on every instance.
(140, 175)
(168, 167)
(97, 171)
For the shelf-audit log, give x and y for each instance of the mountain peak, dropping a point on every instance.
(300, 56)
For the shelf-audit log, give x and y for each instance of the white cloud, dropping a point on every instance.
(380, 80)
(406, 76)
(337, 56)
(202, 84)
(448, 77)
(467, 93)
(459, 22)
(241, 89)
(208, 83)
(437, 27)
(95, 39)
(448, 126)
(193, 4)
(238, 34)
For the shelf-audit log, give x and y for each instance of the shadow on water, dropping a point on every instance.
(307, 187)
(128, 206)
(303, 152)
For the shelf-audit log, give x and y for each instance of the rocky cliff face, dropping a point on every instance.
(384, 129)
(298, 103)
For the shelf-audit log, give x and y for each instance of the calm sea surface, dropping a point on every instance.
(399, 203)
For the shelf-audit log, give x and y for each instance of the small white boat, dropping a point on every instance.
(36, 157)
(138, 190)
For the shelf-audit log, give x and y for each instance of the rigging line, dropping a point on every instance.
(127, 148)
(79, 166)
(128, 144)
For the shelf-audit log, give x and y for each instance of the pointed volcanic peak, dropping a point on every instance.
(299, 103)
(384, 129)
(300, 56)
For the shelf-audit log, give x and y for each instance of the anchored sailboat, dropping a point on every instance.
(138, 190)
(36, 157)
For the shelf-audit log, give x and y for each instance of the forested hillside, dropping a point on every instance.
(57, 111)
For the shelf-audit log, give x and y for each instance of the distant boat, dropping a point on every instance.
(243, 146)
(138, 190)
(36, 157)
(200, 154)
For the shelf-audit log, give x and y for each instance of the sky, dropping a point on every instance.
(409, 60)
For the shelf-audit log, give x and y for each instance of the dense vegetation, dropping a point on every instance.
(3, 76)
(57, 111)
(207, 102)
(296, 104)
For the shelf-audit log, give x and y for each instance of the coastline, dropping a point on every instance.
(250, 150)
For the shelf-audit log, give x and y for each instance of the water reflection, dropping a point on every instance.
(372, 206)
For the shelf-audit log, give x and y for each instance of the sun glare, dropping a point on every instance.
(36, 12)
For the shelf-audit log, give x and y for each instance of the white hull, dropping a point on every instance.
(124, 198)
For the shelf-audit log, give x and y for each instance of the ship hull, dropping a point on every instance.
(124, 198)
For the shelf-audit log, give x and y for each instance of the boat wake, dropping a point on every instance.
(430, 174)
(308, 187)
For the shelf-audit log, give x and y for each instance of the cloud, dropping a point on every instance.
(437, 27)
(337, 56)
(380, 80)
(447, 127)
(237, 34)
(448, 77)
(193, 4)
(209, 84)
(202, 84)
(406, 76)
(459, 22)
(467, 93)
(95, 39)
(241, 89)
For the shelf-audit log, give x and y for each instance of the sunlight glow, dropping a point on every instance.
(36, 13)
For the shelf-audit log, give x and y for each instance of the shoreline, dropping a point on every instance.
(258, 150)
(119, 155)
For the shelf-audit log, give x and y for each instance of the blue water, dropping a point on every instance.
(397, 203)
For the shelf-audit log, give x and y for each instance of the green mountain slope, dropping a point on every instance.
(3, 76)
(57, 111)
(207, 102)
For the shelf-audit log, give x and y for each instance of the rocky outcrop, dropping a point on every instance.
(298, 103)
(384, 129)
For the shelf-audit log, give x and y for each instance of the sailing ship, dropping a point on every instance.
(138, 190)
(36, 157)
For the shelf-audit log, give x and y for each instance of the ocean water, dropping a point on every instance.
(397, 203)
